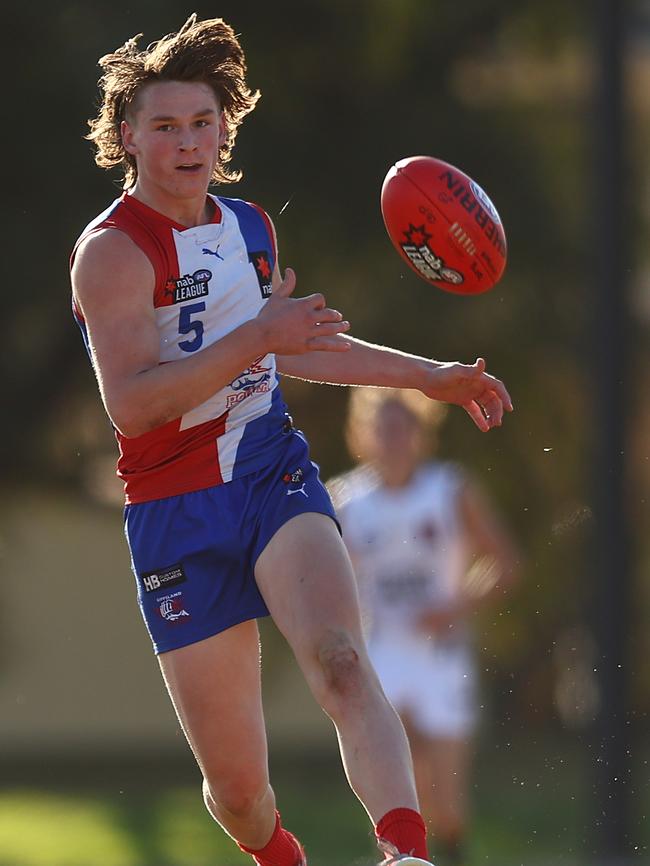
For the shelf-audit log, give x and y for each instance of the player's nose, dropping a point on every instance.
(187, 142)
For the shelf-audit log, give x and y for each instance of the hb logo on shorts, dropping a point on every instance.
(162, 578)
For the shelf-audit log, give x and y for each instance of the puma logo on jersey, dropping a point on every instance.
(299, 490)
(209, 252)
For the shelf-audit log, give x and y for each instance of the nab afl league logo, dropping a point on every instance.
(431, 266)
(189, 286)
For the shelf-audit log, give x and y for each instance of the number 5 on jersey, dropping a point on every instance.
(187, 325)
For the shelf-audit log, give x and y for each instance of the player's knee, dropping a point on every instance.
(340, 664)
(239, 797)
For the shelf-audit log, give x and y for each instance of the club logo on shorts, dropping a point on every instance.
(431, 266)
(263, 270)
(172, 608)
(162, 578)
(295, 478)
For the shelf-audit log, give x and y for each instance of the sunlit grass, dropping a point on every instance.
(532, 805)
(47, 829)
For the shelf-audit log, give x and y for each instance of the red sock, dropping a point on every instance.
(405, 830)
(282, 849)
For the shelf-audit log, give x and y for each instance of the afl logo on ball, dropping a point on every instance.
(432, 267)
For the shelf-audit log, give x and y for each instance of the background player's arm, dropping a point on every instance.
(495, 560)
(113, 285)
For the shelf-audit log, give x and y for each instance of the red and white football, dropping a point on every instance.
(443, 225)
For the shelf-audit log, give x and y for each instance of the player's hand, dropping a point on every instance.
(484, 397)
(294, 326)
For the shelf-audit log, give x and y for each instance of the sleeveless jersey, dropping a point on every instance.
(408, 549)
(209, 279)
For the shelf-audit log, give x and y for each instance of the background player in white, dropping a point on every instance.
(168, 117)
(428, 550)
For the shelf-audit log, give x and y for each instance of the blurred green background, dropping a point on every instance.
(92, 768)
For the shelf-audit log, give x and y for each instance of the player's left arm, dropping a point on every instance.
(483, 396)
(496, 559)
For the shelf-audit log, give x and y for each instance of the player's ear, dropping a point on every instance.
(127, 137)
(222, 129)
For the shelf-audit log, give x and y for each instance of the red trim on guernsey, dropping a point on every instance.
(170, 460)
(166, 461)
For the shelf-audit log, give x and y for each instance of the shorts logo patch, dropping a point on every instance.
(263, 270)
(163, 578)
(295, 478)
(171, 607)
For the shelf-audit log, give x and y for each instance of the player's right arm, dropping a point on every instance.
(113, 286)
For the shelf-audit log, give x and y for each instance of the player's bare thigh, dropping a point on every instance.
(307, 581)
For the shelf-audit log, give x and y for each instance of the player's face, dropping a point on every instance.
(397, 439)
(175, 134)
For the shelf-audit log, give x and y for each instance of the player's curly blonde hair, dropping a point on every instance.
(206, 51)
(364, 403)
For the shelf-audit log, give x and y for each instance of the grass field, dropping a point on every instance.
(531, 807)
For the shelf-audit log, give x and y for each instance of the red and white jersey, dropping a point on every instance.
(209, 279)
(408, 548)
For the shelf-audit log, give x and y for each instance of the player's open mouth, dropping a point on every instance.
(190, 167)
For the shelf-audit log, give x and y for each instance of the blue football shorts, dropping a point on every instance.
(193, 555)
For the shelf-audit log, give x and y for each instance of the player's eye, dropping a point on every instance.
(201, 123)
(164, 127)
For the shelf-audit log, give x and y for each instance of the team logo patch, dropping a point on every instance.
(189, 286)
(295, 478)
(163, 578)
(254, 380)
(172, 608)
(260, 262)
(431, 266)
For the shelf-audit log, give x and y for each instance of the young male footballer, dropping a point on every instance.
(188, 321)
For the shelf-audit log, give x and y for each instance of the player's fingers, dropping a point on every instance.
(328, 344)
(315, 301)
(326, 329)
(287, 285)
(492, 408)
(476, 414)
(326, 315)
(502, 393)
(495, 384)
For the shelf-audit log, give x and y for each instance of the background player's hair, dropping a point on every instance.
(206, 51)
(364, 403)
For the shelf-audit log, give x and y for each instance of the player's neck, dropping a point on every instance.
(186, 212)
(395, 477)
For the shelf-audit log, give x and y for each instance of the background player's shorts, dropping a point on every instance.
(434, 686)
(193, 555)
